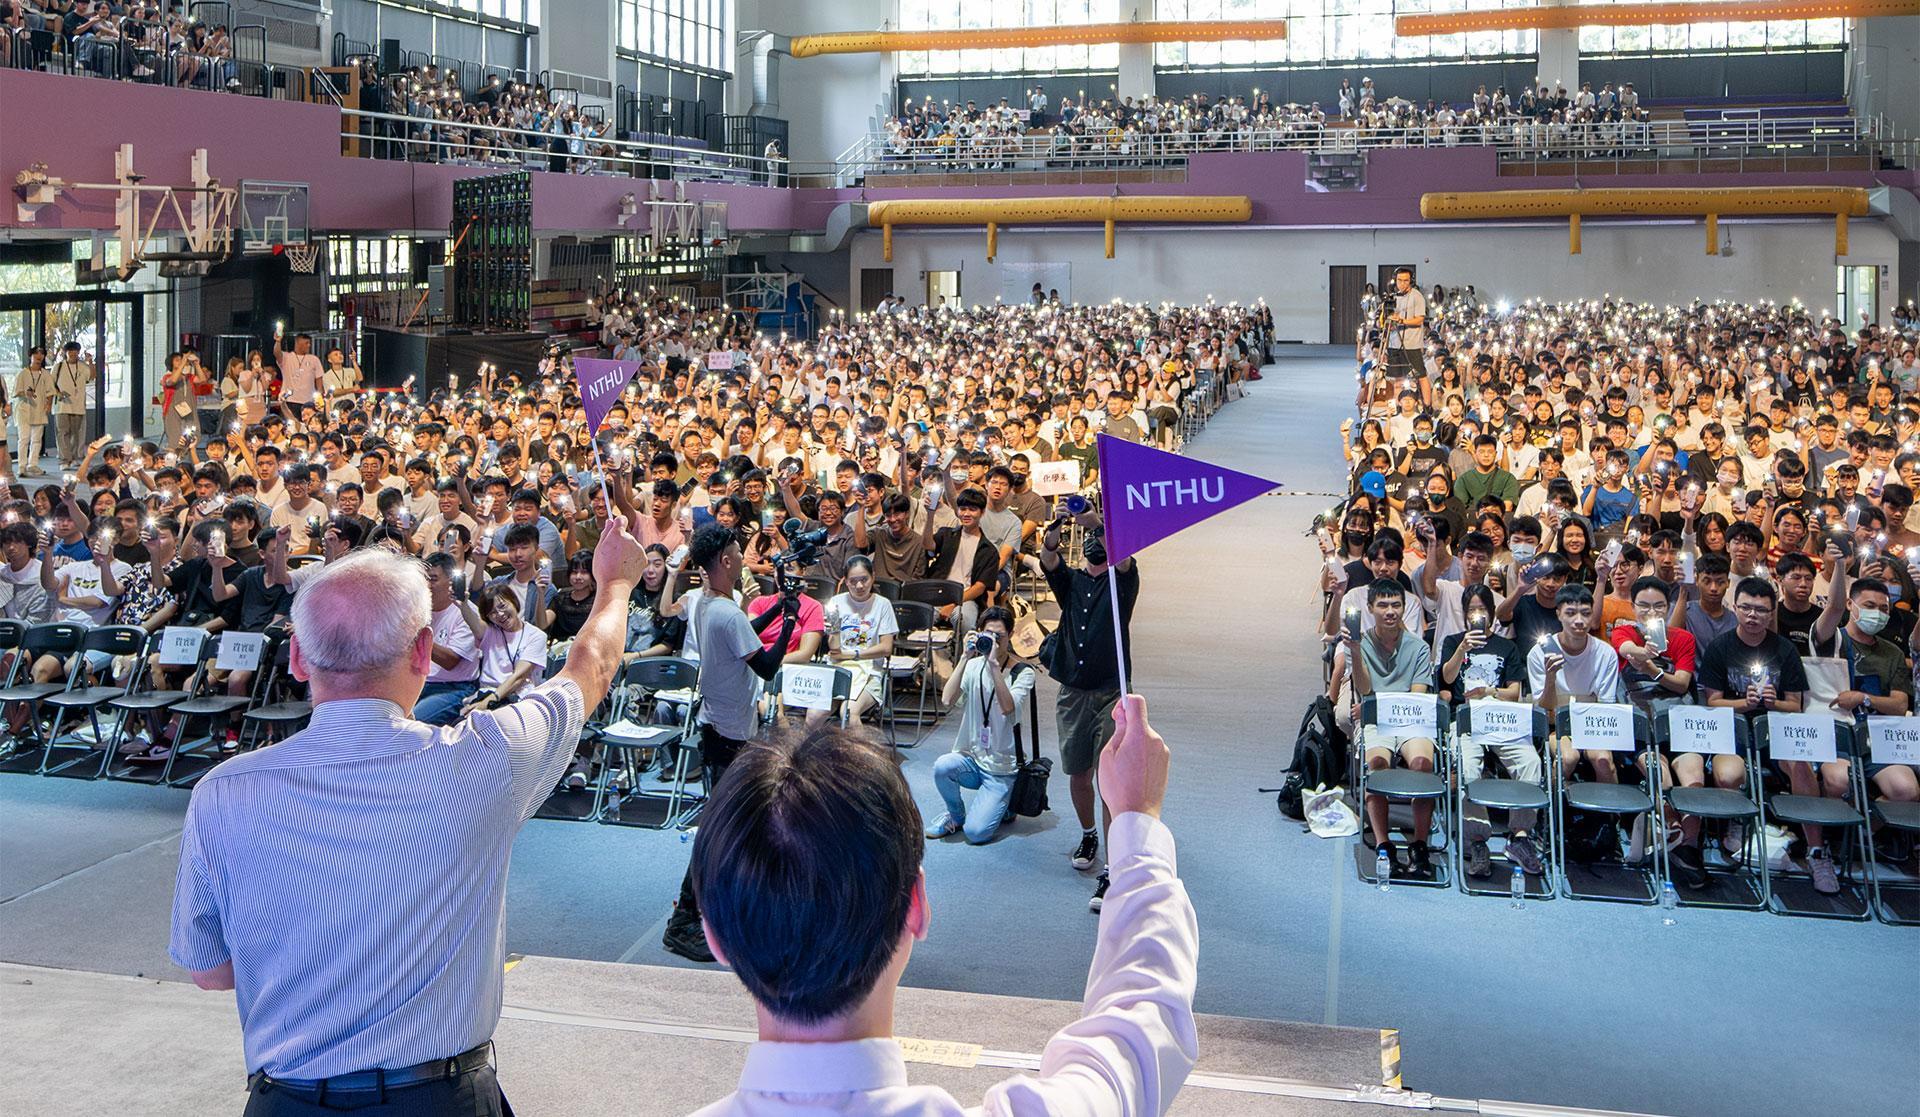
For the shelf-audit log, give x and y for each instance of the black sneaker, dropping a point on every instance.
(686, 938)
(1689, 868)
(1419, 861)
(1099, 893)
(1087, 851)
(1479, 862)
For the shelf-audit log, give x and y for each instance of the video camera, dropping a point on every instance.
(803, 549)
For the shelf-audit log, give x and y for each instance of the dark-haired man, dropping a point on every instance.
(731, 654)
(1388, 659)
(816, 841)
(1083, 657)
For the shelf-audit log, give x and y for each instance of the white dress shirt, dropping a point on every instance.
(1128, 1055)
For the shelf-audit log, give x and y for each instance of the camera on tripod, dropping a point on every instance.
(803, 549)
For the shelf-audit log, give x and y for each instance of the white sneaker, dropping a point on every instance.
(942, 827)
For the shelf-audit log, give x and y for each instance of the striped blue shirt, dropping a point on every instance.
(356, 876)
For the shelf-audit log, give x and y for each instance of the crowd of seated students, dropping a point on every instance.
(1612, 501)
(908, 436)
(503, 121)
(1143, 128)
(158, 43)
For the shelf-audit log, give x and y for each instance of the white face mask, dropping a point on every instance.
(1871, 621)
(1524, 553)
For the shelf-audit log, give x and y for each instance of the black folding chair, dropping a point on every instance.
(25, 750)
(279, 714)
(1744, 882)
(912, 660)
(1404, 785)
(115, 640)
(207, 701)
(142, 699)
(1611, 880)
(619, 798)
(1844, 826)
(1501, 793)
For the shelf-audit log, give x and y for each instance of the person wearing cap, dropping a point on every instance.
(72, 376)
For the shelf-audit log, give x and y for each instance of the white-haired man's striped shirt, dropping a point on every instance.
(356, 873)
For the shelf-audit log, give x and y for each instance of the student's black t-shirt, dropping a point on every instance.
(1498, 663)
(1730, 666)
(260, 603)
(1797, 626)
(192, 583)
(1531, 621)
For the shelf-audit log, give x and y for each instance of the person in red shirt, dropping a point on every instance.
(809, 636)
(1656, 665)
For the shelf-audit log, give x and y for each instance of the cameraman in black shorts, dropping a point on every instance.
(1081, 658)
(1406, 338)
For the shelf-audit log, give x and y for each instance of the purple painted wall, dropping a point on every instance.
(251, 138)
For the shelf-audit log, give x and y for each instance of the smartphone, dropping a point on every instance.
(1353, 624)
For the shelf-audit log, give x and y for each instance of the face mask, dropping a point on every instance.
(1524, 553)
(1871, 621)
(1423, 437)
(1893, 592)
(1094, 550)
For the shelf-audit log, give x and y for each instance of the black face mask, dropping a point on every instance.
(1361, 539)
(1094, 550)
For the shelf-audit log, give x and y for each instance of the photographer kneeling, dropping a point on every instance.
(993, 692)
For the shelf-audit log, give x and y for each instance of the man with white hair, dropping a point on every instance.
(350, 882)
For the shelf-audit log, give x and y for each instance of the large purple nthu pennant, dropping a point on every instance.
(1149, 494)
(601, 382)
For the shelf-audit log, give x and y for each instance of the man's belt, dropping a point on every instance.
(370, 1081)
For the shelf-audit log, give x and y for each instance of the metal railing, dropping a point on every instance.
(423, 139)
(146, 54)
(1519, 140)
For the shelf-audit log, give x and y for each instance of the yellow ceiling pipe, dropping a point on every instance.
(1000, 38)
(1747, 201)
(995, 212)
(1546, 18)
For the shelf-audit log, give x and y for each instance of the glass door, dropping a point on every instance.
(105, 331)
(1858, 295)
(17, 339)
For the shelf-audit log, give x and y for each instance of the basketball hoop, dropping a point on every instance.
(303, 259)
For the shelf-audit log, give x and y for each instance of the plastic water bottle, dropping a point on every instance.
(1383, 868)
(1517, 889)
(1669, 903)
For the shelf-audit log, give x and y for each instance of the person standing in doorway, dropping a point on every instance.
(71, 379)
(33, 395)
(1081, 656)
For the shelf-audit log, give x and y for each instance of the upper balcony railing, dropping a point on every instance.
(429, 140)
(1835, 142)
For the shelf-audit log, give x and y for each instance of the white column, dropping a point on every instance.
(1560, 58)
(1136, 59)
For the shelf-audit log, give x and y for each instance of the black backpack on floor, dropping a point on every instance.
(1319, 753)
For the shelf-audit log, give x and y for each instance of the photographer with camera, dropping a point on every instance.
(731, 654)
(1081, 657)
(993, 692)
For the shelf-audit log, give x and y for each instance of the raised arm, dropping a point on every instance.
(595, 655)
(1133, 1048)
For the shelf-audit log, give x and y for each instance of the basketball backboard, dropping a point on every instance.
(272, 213)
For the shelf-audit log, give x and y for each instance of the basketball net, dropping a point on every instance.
(303, 259)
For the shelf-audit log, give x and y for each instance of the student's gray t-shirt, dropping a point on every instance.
(727, 684)
(1410, 665)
